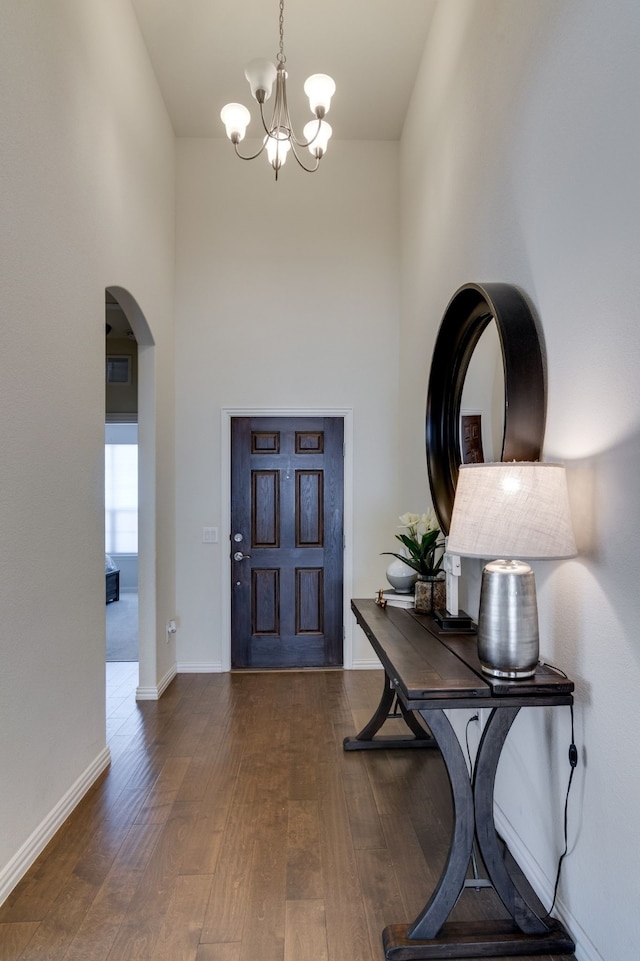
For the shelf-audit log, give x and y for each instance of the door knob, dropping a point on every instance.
(239, 556)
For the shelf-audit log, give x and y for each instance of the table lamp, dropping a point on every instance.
(513, 511)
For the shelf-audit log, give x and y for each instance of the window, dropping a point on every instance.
(118, 370)
(121, 497)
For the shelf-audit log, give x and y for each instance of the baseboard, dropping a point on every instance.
(155, 693)
(20, 863)
(543, 886)
(206, 667)
(215, 667)
(370, 664)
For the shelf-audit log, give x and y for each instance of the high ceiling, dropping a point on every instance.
(371, 48)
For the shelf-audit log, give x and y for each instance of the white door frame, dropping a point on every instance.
(346, 413)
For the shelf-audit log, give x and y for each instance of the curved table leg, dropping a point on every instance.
(366, 739)
(414, 724)
(493, 738)
(451, 882)
(431, 935)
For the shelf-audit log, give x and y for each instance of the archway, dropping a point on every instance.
(146, 488)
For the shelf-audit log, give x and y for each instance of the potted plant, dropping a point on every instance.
(423, 550)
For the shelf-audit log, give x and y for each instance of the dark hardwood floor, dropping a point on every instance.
(231, 826)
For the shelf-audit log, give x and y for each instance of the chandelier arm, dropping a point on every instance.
(268, 129)
(252, 156)
(306, 143)
(284, 120)
(281, 119)
(308, 170)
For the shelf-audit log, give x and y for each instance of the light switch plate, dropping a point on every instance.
(209, 535)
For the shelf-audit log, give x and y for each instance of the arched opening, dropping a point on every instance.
(127, 320)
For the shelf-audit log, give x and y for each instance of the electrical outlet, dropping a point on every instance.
(209, 535)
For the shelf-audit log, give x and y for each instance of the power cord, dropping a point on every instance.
(466, 737)
(477, 882)
(573, 762)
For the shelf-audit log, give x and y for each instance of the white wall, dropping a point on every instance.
(520, 163)
(86, 194)
(287, 297)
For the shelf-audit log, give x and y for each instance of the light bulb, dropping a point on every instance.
(236, 118)
(260, 73)
(278, 146)
(318, 138)
(319, 88)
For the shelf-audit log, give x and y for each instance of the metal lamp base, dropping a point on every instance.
(510, 675)
(508, 644)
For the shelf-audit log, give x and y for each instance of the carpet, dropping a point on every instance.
(122, 628)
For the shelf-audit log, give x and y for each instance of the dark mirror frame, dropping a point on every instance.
(471, 308)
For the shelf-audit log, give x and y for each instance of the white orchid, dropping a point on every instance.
(419, 523)
(429, 521)
(423, 550)
(411, 521)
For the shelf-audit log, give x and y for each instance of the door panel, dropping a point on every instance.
(265, 508)
(265, 602)
(286, 541)
(309, 597)
(309, 508)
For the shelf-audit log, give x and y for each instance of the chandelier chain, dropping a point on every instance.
(281, 55)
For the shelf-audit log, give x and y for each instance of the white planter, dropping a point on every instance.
(401, 576)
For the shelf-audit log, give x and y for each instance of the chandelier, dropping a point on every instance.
(279, 136)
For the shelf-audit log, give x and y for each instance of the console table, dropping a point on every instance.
(429, 671)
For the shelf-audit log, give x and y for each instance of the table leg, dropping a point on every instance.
(431, 935)
(366, 738)
(491, 744)
(451, 882)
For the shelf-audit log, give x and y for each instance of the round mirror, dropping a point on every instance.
(474, 412)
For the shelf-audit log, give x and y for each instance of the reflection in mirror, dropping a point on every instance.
(483, 401)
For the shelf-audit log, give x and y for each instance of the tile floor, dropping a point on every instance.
(121, 681)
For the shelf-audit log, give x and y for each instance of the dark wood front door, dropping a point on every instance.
(286, 541)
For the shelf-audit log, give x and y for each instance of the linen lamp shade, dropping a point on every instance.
(515, 510)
